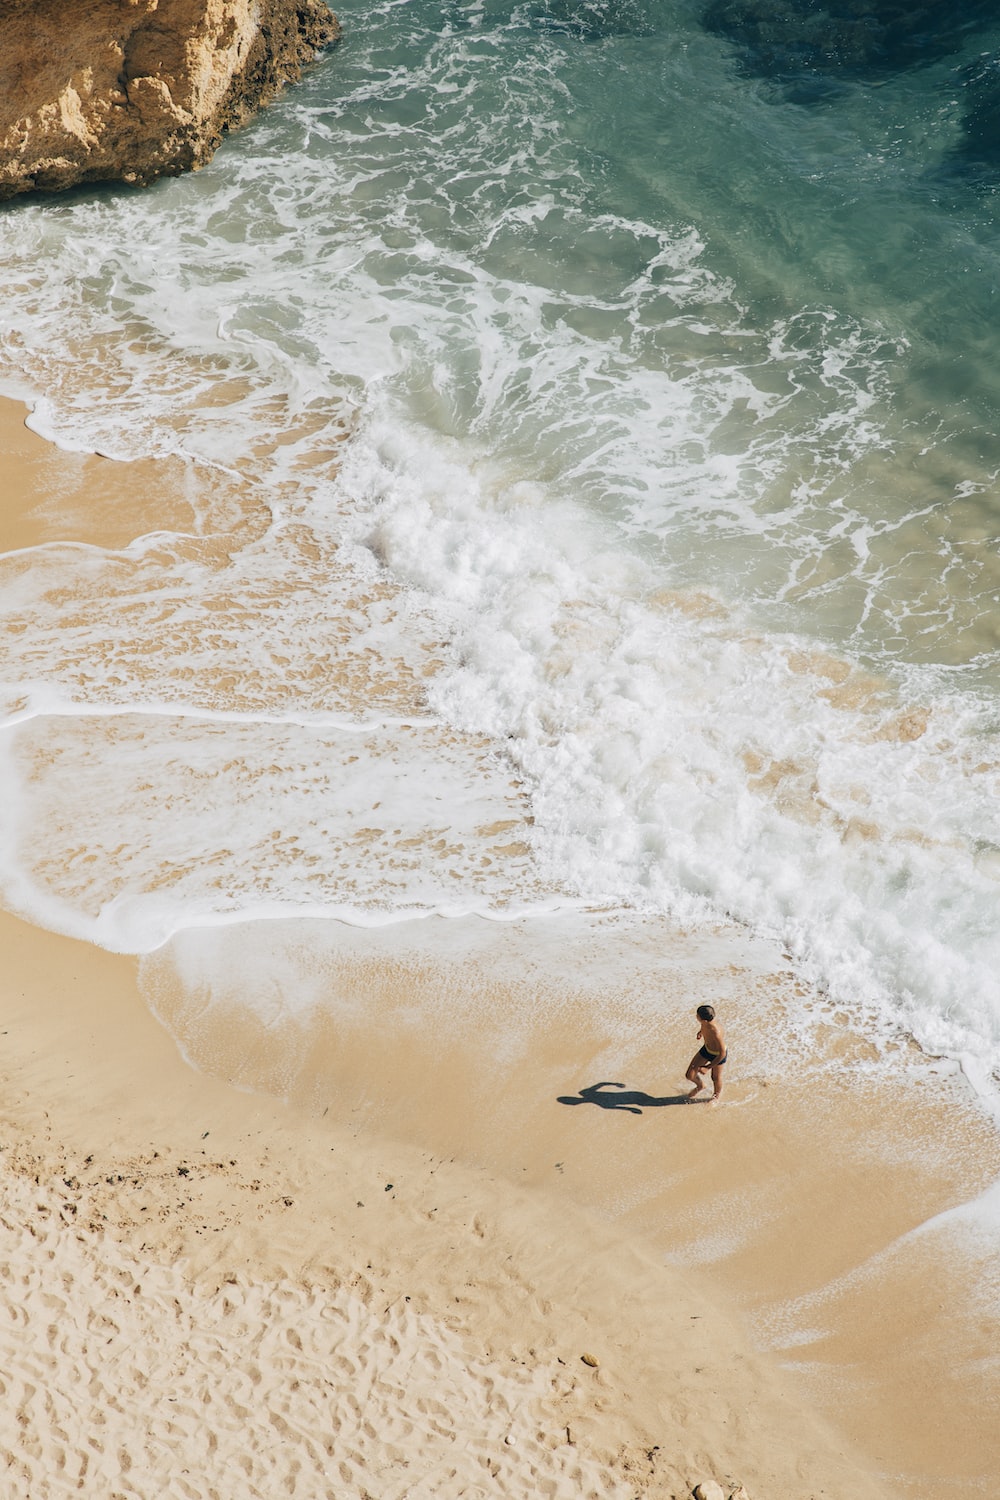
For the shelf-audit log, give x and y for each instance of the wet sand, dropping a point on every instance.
(752, 1279)
(801, 1198)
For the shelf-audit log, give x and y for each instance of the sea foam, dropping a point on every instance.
(585, 519)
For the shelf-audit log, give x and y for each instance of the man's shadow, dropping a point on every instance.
(632, 1100)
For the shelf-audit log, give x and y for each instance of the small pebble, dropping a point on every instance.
(591, 1360)
(708, 1489)
(510, 1440)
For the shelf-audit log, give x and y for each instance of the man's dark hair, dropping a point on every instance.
(706, 1013)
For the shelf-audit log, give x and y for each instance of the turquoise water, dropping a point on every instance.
(651, 375)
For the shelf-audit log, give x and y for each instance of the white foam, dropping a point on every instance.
(978, 1218)
(617, 502)
(674, 754)
(124, 828)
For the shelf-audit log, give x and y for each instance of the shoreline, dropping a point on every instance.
(140, 1167)
(805, 1201)
(465, 1043)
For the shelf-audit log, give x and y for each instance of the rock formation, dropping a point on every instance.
(98, 90)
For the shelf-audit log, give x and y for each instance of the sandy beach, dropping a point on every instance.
(264, 1297)
(358, 1244)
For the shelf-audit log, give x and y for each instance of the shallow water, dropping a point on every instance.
(625, 406)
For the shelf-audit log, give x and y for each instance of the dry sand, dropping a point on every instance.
(383, 1283)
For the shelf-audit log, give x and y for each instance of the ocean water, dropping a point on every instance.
(619, 379)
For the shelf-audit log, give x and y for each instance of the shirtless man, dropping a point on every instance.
(710, 1056)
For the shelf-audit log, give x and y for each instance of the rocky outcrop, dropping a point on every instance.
(96, 90)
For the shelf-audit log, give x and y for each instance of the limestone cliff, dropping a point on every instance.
(94, 90)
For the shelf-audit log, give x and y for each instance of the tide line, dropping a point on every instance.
(63, 708)
(119, 927)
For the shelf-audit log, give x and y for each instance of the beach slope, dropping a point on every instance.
(211, 1285)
